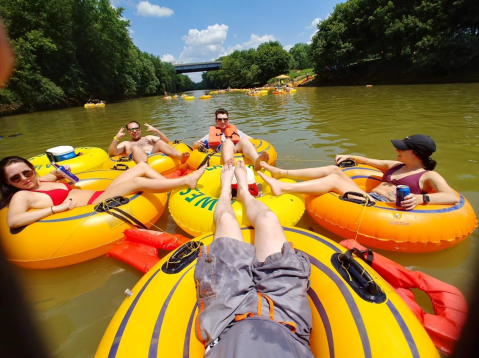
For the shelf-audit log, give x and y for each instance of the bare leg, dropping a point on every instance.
(306, 174)
(162, 147)
(140, 170)
(228, 151)
(139, 155)
(320, 186)
(224, 216)
(269, 235)
(158, 185)
(249, 151)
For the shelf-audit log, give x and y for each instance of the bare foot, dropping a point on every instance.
(184, 157)
(231, 162)
(242, 178)
(273, 183)
(193, 178)
(275, 172)
(263, 157)
(227, 174)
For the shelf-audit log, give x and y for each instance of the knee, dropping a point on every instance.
(269, 216)
(224, 218)
(228, 142)
(334, 170)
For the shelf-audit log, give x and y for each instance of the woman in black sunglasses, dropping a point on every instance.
(22, 190)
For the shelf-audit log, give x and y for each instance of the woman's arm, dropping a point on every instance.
(377, 163)
(18, 214)
(54, 175)
(440, 192)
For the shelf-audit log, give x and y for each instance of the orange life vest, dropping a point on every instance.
(215, 135)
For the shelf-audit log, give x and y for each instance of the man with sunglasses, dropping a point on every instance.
(230, 141)
(139, 148)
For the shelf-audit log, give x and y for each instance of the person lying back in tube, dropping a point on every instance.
(22, 190)
(139, 148)
(227, 139)
(252, 299)
(413, 167)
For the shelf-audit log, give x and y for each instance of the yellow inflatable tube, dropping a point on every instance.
(80, 234)
(158, 319)
(162, 163)
(205, 97)
(189, 98)
(193, 210)
(87, 158)
(197, 157)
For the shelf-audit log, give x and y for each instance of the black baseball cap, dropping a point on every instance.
(419, 142)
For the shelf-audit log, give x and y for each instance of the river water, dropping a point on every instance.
(73, 305)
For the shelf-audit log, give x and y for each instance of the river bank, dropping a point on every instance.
(391, 72)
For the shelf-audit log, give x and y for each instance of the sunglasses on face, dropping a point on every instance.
(222, 119)
(17, 177)
(134, 129)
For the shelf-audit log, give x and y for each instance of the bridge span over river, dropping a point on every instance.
(197, 67)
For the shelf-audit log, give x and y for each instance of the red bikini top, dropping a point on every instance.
(58, 196)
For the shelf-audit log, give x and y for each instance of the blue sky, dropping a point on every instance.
(195, 31)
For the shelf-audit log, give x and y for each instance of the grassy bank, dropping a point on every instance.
(295, 75)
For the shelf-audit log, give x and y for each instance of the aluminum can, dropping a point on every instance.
(401, 192)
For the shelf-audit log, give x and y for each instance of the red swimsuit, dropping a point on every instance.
(58, 196)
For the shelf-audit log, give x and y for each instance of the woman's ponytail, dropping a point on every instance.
(427, 162)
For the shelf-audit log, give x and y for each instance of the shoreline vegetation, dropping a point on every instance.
(70, 51)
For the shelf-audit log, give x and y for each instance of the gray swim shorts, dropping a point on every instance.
(379, 197)
(232, 284)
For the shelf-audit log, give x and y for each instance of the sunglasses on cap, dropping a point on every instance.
(222, 119)
(17, 177)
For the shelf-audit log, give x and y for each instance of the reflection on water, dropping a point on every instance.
(75, 304)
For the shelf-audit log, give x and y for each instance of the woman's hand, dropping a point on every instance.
(411, 201)
(341, 158)
(68, 204)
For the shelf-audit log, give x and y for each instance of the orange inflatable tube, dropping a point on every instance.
(450, 308)
(141, 247)
(427, 228)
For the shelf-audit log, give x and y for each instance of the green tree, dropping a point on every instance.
(300, 56)
(272, 60)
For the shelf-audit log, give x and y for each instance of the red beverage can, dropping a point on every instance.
(401, 192)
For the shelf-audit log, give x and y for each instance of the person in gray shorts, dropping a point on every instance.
(252, 300)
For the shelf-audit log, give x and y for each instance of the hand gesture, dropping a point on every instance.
(341, 158)
(68, 204)
(411, 201)
(199, 144)
(120, 133)
(150, 128)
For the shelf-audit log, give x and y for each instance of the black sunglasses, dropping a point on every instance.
(17, 177)
(222, 119)
(134, 129)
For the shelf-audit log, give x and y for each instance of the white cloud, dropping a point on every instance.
(131, 31)
(288, 47)
(195, 76)
(213, 35)
(253, 42)
(148, 10)
(204, 45)
(314, 23)
(301, 34)
(168, 58)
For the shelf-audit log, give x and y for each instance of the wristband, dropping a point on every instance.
(115, 138)
(355, 157)
(52, 210)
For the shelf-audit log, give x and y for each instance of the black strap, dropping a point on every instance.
(136, 221)
(361, 254)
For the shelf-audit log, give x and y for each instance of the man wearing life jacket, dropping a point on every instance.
(252, 299)
(139, 148)
(227, 139)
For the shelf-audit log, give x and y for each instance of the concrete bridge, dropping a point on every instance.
(197, 67)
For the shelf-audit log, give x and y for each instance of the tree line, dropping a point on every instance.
(430, 36)
(253, 67)
(68, 51)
